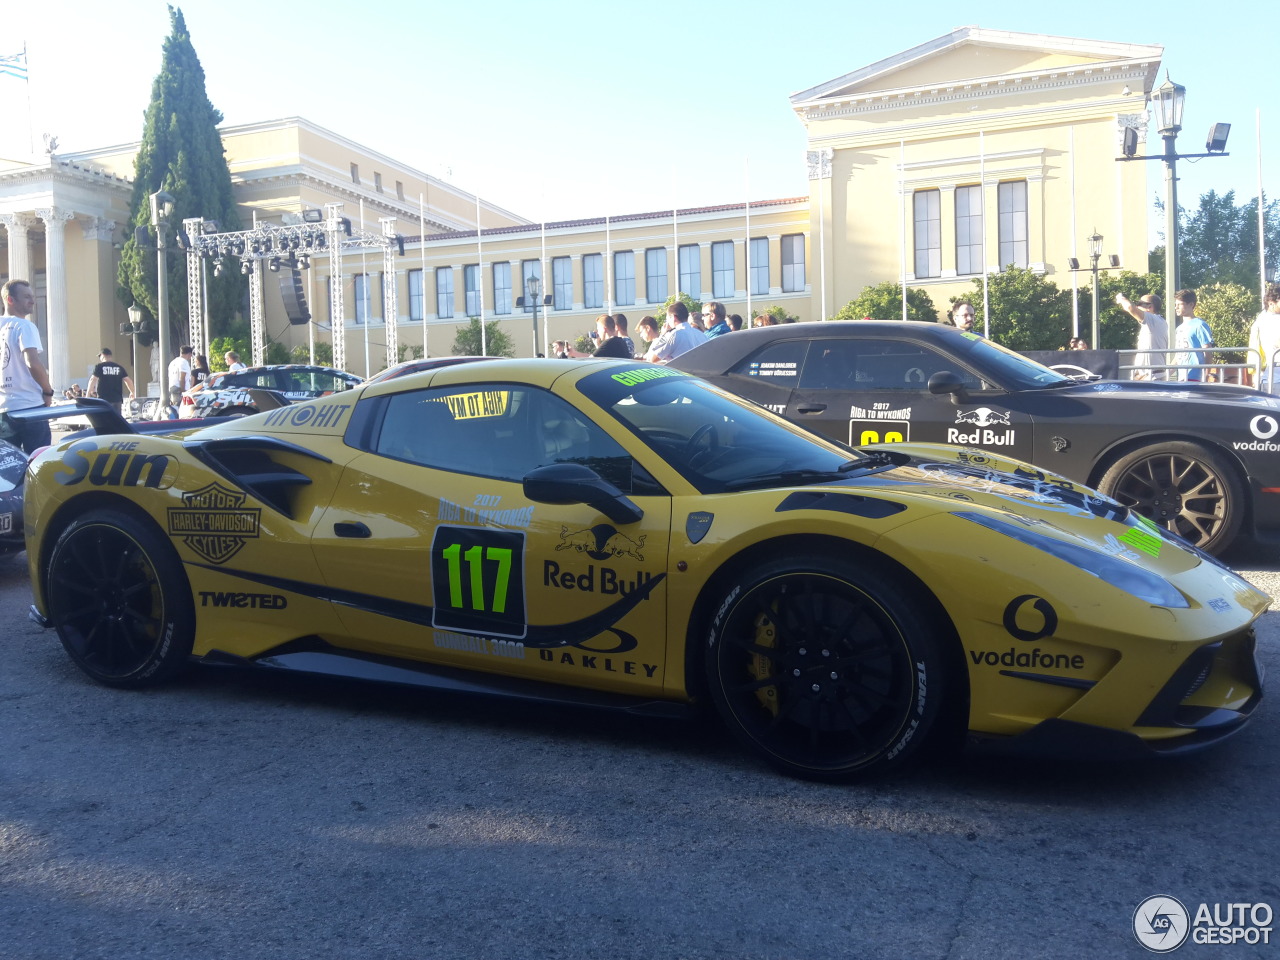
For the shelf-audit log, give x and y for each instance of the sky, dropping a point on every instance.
(559, 110)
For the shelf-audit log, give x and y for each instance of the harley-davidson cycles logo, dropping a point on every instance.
(214, 522)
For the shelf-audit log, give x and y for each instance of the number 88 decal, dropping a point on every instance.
(477, 581)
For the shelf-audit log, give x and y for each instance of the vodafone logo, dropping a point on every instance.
(1264, 427)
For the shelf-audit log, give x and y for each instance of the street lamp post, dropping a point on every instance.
(135, 326)
(1169, 98)
(533, 295)
(161, 210)
(1095, 254)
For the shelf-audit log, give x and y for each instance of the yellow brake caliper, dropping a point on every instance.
(761, 666)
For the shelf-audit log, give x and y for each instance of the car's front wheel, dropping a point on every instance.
(119, 599)
(825, 667)
(1183, 486)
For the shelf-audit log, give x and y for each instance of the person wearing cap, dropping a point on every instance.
(1153, 336)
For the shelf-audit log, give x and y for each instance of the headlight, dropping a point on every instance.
(1120, 573)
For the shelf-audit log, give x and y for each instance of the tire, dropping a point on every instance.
(236, 412)
(826, 669)
(119, 599)
(1183, 486)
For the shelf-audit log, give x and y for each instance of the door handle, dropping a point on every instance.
(811, 408)
(353, 529)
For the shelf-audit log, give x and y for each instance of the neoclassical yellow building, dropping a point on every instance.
(930, 168)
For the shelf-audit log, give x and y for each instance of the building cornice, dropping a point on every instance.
(59, 170)
(1138, 72)
(627, 221)
(911, 129)
(1103, 50)
(302, 124)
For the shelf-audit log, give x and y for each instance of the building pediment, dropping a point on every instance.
(974, 57)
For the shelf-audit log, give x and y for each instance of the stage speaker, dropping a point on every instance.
(294, 295)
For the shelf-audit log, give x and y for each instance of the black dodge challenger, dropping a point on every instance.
(1200, 459)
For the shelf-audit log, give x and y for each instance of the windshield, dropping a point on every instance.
(716, 441)
(1011, 370)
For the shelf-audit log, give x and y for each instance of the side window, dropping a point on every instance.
(313, 381)
(877, 365)
(502, 431)
(777, 364)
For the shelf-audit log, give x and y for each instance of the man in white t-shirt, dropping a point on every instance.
(1153, 337)
(180, 371)
(1264, 339)
(24, 382)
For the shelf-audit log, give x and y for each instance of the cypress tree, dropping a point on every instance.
(181, 153)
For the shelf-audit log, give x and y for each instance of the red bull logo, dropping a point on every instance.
(601, 542)
(983, 417)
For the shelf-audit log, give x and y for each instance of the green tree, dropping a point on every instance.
(1229, 309)
(220, 346)
(323, 353)
(884, 302)
(1218, 242)
(497, 343)
(1028, 311)
(695, 307)
(781, 314)
(181, 153)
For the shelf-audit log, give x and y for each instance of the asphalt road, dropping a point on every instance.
(234, 816)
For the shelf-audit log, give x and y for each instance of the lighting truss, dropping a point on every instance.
(289, 244)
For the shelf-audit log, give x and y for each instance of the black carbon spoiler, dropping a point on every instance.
(102, 416)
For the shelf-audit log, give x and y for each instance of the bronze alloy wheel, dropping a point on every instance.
(1185, 487)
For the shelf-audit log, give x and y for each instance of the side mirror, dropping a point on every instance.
(947, 381)
(575, 483)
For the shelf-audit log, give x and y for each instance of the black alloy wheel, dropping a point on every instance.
(827, 669)
(119, 599)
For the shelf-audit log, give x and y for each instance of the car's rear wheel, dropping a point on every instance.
(119, 599)
(1184, 486)
(826, 668)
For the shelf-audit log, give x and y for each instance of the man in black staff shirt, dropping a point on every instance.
(109, 380)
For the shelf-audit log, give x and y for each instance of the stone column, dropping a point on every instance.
(55, 273)
(17, 225)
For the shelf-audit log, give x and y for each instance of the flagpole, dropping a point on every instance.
(1262, 235)
(26, 79)
(479, 264)
(747, 188)
(422, 279)
(986, 293)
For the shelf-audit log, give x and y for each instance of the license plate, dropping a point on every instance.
(6, 523)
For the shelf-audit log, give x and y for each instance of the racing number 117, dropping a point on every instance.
(455, 557)
(477, 581)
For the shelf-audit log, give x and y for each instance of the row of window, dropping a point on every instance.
(377, 181)
(1011, 204)
(656, 288)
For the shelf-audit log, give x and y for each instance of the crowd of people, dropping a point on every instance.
(24, 379)
(678, 333)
